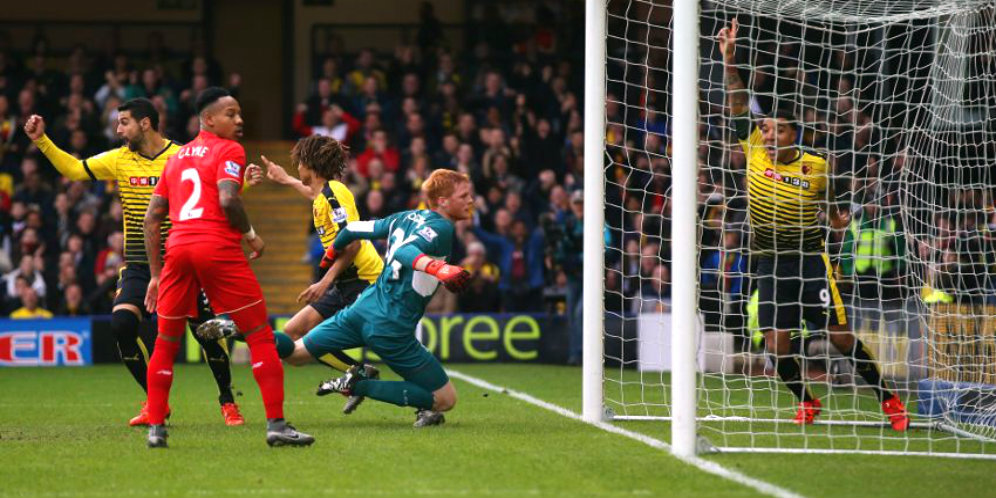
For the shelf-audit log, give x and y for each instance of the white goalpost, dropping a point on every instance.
(898, 99)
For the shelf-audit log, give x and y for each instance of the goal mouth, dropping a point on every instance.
(818, 171)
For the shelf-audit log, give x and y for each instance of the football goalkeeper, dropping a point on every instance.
(789, 195)
(384, 317)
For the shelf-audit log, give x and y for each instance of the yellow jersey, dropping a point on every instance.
(136, 176)
(784, 200)
(333, 209)
(26, 314)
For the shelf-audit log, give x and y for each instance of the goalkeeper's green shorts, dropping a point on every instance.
(398, 348)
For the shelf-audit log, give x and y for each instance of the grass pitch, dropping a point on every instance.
(63, 432)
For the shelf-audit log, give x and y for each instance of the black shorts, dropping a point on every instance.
(793, 289)
(338, 297)
(133, 282)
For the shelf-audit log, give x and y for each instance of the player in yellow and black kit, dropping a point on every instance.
(789, 196)
(320, 162)
(136, 167)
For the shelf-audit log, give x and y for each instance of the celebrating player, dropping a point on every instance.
(137, 167)
(321, 162)
(788, 189)
(385, 315)
(200, 191)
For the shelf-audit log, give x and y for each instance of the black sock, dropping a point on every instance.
(220, 363)
(791, 374)
(134, 354)
(866, 366)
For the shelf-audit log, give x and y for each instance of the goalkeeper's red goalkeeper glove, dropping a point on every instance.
(328, 258)
(454, 278)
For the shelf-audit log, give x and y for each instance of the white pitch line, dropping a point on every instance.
(702, 464)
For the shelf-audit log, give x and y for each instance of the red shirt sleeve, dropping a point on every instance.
(232, 163)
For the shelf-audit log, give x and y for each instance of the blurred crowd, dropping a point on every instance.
(61, 242)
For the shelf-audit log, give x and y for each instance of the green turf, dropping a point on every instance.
(63, 432)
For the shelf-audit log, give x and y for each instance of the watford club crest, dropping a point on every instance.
(805, 169)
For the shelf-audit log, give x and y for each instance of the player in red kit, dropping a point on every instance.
(199, 189)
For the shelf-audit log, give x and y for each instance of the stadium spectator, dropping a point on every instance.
(30, 270)
(520, 257)
(72, 303)
(482, 291)
(30, 307)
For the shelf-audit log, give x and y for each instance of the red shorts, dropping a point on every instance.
(224, 274)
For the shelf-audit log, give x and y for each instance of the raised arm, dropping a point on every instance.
(93, 168)
(154, 217)
(231, 204)
(277, 174)
(736, 90)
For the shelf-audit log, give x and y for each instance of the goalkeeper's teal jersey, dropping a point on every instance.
(401, 294)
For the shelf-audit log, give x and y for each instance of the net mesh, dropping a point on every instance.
(898, 98)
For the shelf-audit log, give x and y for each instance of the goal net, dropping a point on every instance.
(897, 98)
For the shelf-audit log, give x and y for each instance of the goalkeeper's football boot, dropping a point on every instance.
(143, 416)
(157, 436)
(369, 372)
(216, 328)
(808, 410)
(231, 413)
(283, 434)
(426, 418)
(343, 385)
(894, 408)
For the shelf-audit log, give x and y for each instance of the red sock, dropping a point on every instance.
(160, 379)
(268, 371)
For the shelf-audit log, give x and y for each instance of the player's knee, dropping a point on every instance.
(295, 329)
(124, 324)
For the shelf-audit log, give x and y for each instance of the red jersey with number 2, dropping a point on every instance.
(190, 183)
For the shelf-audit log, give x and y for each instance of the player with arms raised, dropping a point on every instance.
(137, 167)
(385, 315)
(788, 193)
(200, 191)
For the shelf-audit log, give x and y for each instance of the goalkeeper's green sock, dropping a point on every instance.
(396, 392)
(285, 345)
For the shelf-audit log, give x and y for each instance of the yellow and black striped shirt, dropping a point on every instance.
(784, 199)
(332, 210)
(136, 176)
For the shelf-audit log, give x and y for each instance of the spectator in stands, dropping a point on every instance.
(73, 303)
(565, 242)
(363, 73)
(29, 306)
(520, 258)
(380, 149)
(30, 269)
(482, 292)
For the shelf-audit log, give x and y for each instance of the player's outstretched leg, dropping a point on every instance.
(218, 328)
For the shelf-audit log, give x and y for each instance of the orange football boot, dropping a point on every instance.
(808, 410)
(231, 413)
(894, 408)
(143, 415)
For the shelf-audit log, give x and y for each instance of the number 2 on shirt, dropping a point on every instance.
(190, 210)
